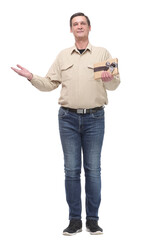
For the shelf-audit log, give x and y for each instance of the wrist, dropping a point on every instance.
(30, 77)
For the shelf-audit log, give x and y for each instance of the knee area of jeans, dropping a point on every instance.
(72, 173)
(93, 172)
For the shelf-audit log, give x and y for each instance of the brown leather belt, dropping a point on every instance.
(83, 111)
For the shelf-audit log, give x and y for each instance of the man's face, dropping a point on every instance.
(80, 28)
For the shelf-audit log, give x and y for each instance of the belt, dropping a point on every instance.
(83, 111)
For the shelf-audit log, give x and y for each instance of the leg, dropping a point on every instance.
(71, 144)
(92, 144)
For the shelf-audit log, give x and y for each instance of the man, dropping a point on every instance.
(81, 119)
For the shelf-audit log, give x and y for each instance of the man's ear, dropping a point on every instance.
(71, 29)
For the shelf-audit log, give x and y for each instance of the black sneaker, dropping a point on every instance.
(93, 228)
(75, 226)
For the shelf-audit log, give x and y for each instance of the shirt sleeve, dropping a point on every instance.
(114, 83)
(51, 81)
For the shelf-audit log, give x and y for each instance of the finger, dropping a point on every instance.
(102, 75)
(20, 66)
(106, 75)
(109, 75)
(14, 69)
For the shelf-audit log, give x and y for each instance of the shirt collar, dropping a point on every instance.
(74, 48)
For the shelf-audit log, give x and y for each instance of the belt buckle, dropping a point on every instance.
(81, 111)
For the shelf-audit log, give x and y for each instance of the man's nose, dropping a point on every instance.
(79, 25)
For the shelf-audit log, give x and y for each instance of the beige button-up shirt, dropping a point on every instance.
(75, 73)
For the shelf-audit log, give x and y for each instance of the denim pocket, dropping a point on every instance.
(62, 112)
(99, 114)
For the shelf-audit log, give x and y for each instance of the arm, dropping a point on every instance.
(47, 83)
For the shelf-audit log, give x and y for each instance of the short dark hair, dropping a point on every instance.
(79, 14)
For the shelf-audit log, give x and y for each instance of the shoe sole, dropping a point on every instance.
(94, 233)
(71, 234)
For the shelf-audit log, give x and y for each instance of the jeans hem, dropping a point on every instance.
(92, 218)
(76, 218)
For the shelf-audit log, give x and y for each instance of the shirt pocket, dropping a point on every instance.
(67, 71)
(90, 72)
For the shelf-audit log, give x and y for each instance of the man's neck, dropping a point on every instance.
(81, 44)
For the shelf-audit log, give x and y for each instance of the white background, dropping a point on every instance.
(32, 196)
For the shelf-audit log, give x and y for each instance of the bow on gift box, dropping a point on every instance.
(110, 65)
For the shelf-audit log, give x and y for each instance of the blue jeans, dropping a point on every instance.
(82, 133)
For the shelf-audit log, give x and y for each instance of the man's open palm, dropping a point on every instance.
(23, 72)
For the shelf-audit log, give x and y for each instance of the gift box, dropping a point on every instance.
(110, 65)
